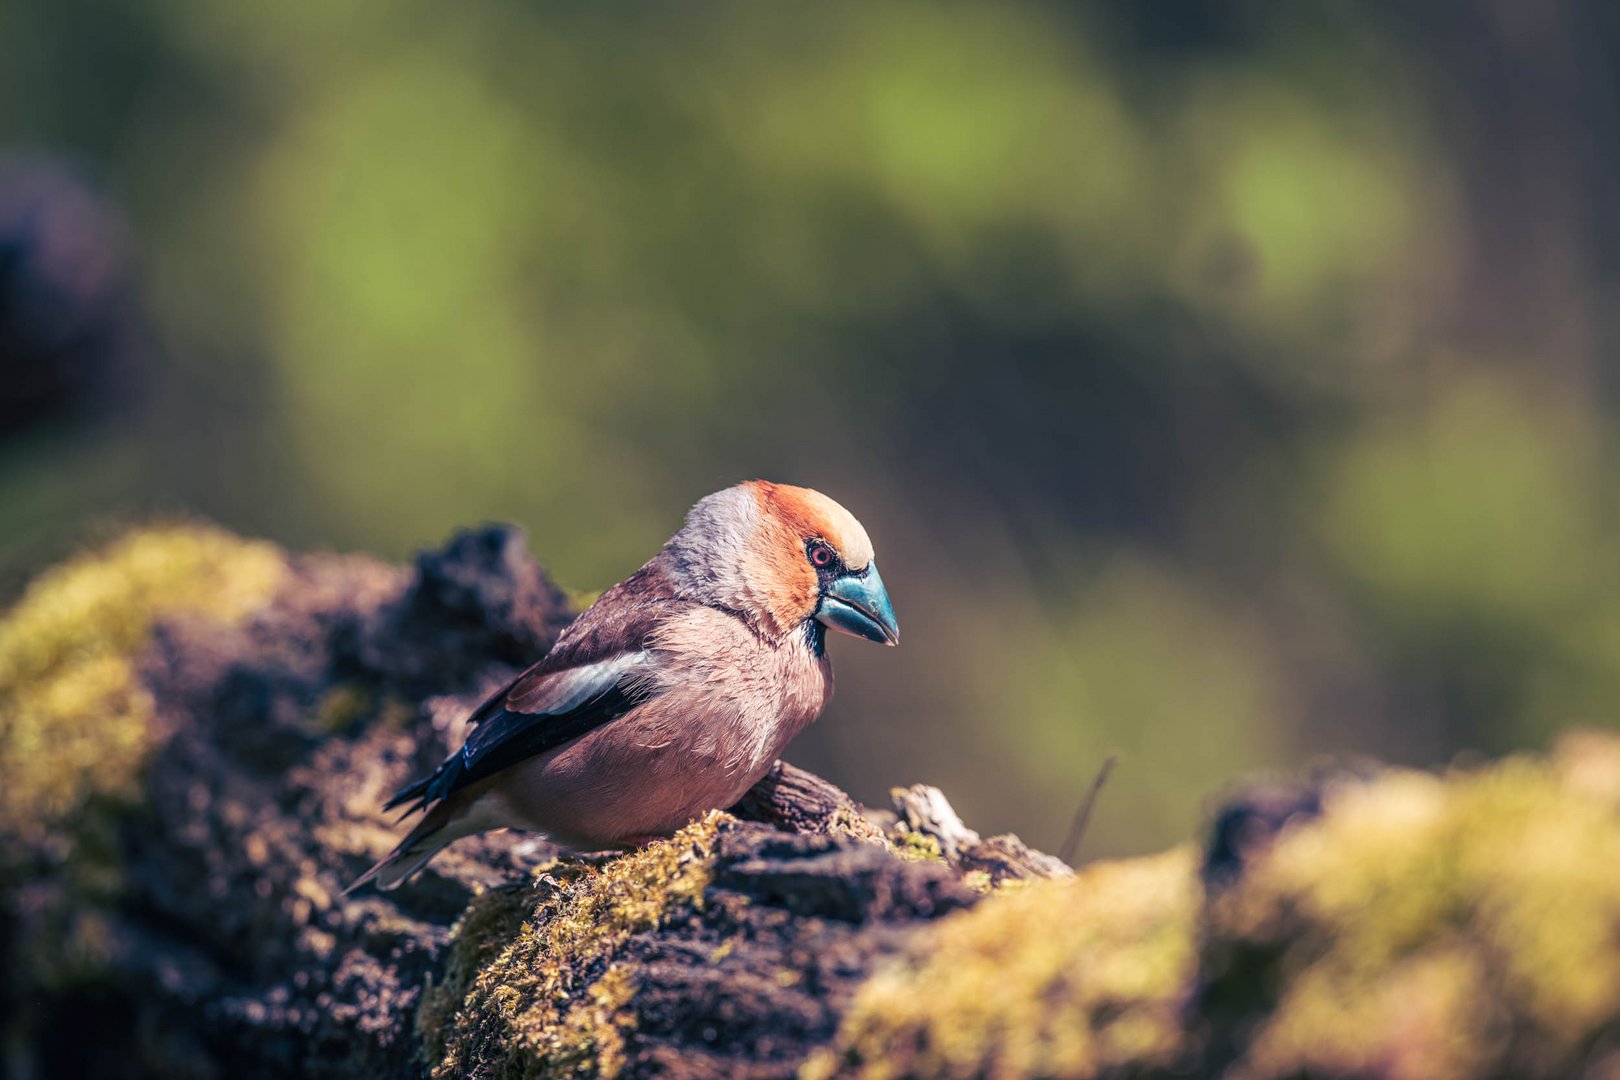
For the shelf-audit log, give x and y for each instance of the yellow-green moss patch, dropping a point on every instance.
(1455, 927)
(1060, 979)
(73, 715)
(917, 847)
(531, 988)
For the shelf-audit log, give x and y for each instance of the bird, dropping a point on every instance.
(672, 694)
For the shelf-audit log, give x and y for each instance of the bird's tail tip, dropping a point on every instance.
(392, 872)
(360, 882)
(429, 837)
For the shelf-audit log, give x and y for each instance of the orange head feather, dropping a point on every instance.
(790, 518)
(746, 548)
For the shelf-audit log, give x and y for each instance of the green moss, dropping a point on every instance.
(531, 987)
(1450, 927)
(75, 721)
(1463, 926)
(980, 881)
(1064, 978)
(917, 847)
(73, 715)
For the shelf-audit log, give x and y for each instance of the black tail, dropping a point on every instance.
(429, 789)
(413, 852)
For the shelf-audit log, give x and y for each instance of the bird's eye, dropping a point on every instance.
(821, 555)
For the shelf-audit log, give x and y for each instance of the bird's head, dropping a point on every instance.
(782, 556)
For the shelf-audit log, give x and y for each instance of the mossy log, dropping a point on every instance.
(196, 732)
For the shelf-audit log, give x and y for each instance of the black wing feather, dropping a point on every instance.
(518, 721)
(507, 737)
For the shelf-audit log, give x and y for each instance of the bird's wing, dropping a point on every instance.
(599, 670)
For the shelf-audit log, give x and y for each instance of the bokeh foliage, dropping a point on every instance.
(1221, 384)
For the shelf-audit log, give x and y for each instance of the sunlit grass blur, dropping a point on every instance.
(1221, 388)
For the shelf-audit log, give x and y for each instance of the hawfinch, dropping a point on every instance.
(673, 693)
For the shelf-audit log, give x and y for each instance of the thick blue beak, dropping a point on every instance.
(859, 605)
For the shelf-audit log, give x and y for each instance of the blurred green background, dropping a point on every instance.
(1224, 384)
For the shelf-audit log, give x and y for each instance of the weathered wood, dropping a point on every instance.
(797, 800)
(924, 811)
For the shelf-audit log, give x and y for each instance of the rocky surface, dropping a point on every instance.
(196, 733)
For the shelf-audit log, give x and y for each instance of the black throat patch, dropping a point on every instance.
(815, 635)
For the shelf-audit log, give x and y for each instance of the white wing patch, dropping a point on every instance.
(572, 687)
